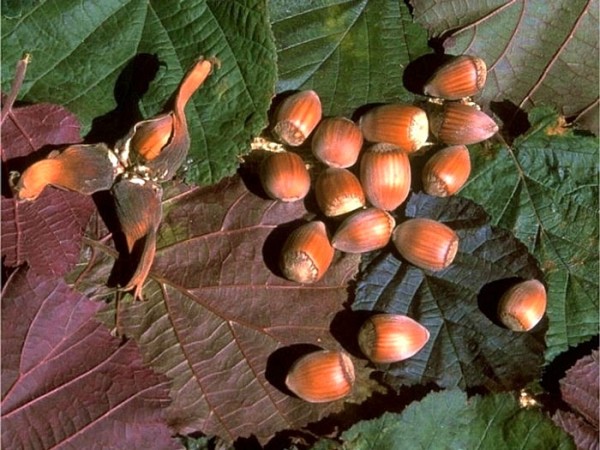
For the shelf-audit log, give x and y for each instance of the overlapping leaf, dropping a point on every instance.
(538, 52)
(66, 382)
(580, 389)
(448, 420)
(218, 318)
(45, 234)
(84, 53)
(351, 52)
(545, 189)
(467, 347)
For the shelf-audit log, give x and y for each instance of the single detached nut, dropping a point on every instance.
(297, 117)
(405, 126)
(426, 243)
(523, 306)
(284, 176)
(338, 192)
(457, 123)
(321, 376)
(447, 171)
(364, 231)
(307, 253)
(337, 142)
(385, 175)
(388, 338)
(462, 76)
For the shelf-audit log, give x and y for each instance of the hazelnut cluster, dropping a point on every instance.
(361, 193)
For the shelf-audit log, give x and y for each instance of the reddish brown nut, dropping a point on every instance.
(321, 376)
(297, 117)
(405, 126)
(307, 253)
(426, 243)
(338, 192)
(461, 124)
(337, 142)
(446, 171)
(385, 175)
(462, 76)
(284, 176)
(523, 306)
(364, 231)
(388, 338)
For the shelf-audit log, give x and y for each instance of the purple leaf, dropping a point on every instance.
(66, 382)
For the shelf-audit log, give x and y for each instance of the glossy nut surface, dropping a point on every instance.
(321, 376)
(388, 338)
(284, 176)
(297, 117)
(462, 76)
(337, 142)
(457, 123)
(426, 243)
(385, 175)
(307, 253)
(405, 126)
(446, 171)
(523, 306)
(338, 192)
(364, 231)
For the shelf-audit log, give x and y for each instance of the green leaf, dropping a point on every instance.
(537, 52)
(84, 53)
(448, 420)
(468, 347)
(350, 52)
(545, 189)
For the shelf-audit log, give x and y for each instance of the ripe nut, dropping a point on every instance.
(364, 231)
(284, 176)
(458, 123)
(388, 338)
(307, 253)
(297, 117)
(446, 171)
(385, 175)
(337, 142)
(523, 305)
(321, 376)
(426, 243)
(405, 126)
(460, 77)
(338, 191)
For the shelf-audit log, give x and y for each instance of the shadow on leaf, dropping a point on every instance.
(130, 87)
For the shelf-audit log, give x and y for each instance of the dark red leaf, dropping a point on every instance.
(580, 388)
(66, 382)
(584, 435)
(218, 317)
